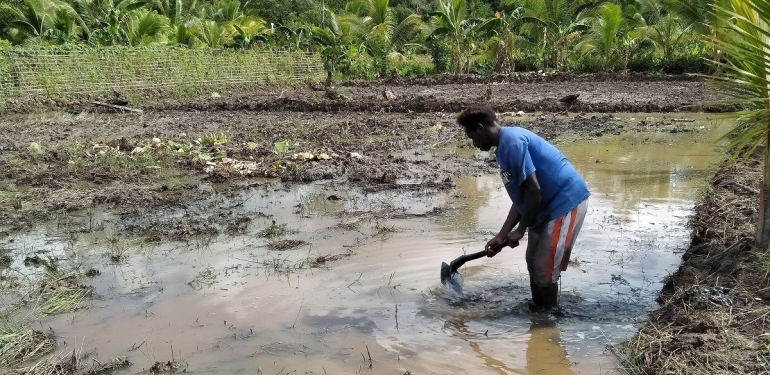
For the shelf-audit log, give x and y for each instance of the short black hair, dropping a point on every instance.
(477, 114)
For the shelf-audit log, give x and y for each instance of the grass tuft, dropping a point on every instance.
(21, 344)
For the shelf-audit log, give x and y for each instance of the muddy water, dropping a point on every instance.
(232, 303)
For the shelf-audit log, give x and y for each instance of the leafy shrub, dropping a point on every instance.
(693, 60)
(414, 65)
(362, 66)
(440, 53)
(527, 63)
(482, 66)
(643, 62)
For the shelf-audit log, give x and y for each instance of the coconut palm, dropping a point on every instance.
(42, 18)
(176, 11)
(66, 26)
(556, 24)
(333, 40)
(606, 37)
(145, 27)
(106, 18)
(383, 34)
(744, 74)
(211, 34)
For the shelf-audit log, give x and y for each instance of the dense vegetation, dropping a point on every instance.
(376, 38)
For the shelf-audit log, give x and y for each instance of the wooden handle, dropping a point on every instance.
(457, 263)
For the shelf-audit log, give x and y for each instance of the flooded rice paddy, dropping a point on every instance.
(327, 279)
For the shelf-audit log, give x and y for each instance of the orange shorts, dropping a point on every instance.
(549, 246)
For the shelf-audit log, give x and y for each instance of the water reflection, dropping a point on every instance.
(544, 352)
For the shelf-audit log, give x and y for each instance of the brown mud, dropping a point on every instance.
(90, 159)
(197, 155)
(444, 93)
(715, 312)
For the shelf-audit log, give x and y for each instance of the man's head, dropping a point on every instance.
(480, 125)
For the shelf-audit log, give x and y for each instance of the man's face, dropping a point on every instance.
(480, 136)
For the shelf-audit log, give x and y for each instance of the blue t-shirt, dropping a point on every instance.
(522, 152)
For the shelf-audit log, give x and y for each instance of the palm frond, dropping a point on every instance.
(744, 71)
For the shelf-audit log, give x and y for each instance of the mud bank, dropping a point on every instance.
(594, 93)
(715, 309)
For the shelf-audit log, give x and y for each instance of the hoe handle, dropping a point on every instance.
(457, 263)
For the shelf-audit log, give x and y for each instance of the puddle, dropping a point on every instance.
(228, 303)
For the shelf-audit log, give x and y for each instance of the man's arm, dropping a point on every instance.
(513, 218)
(533, 198)
(493, 246)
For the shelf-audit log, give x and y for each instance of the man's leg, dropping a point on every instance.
(548, 252)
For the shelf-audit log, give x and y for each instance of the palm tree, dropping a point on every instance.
(106, 18)
(145, 27)
(502, 45)
(41, 18)
(66, 26)
(176, 11)
(383, 34)
(606, 36)
(556, 23)
(333, 40)
(744, 73)
(211, 34)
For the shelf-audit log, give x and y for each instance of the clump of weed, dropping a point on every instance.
(109, 367)
(117, 254)
(273, 230)
(168, 366)
(322, 260)
(203, 279)
(62, 363)
(284, 244)
(21, 344)
(62, 293)
(5, 258)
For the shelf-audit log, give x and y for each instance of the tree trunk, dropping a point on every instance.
(329, 78)
(763, 226)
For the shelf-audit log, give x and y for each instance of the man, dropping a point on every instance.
(549, 199)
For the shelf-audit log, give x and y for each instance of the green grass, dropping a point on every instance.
(203, 279)
(178, 71)
(274, 230)
(62, 293)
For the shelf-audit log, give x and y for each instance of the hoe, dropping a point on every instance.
(453, 279)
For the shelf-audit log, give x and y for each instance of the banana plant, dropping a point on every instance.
(504, 39)
(451, 21)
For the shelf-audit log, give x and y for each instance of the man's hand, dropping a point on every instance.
(496, 244)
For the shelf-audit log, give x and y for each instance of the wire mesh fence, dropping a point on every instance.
(56, 73)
